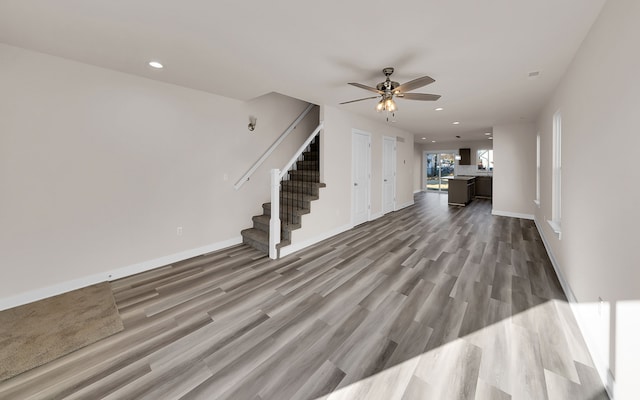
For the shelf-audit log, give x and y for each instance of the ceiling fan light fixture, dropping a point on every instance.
(380, 106)
(390, 105)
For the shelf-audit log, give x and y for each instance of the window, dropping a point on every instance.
(537, 200)
(485, 160)
(556, 178)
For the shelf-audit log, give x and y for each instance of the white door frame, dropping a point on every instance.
(367, 172)
(393, 169)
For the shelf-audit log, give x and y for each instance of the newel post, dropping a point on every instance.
(274, 222)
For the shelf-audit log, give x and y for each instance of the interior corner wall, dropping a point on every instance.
(597, 255)
(331, 213)
(514, 175)
(98, 169)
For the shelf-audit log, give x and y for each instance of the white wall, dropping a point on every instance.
(417, 168)
(597, 254)
(99, 168)
(332, 212)
(514, 176)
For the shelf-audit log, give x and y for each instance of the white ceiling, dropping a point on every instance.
(479, 51)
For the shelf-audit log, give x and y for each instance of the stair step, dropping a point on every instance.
(297, 195)
(260, 240)
(256, 239)
(308, 165)
(288, 214)
(304, 175)
(311, 155)
(261, 222)
(306, 187)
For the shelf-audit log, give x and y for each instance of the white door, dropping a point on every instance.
(361, 175)
(388, 174)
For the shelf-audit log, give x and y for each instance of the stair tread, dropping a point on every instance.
(286, 194)
(256, 234)
(294, 210)
(266, 219)
(261, 237)
(298, 183)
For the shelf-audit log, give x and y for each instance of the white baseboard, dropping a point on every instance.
(285, 251)
(63, 287)
(563, 282)
(375, 216)
(603, 370)
(511, 214)
(417, 191)
(405, 205)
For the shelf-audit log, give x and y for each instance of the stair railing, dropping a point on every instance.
(271, 148)
(277, 175)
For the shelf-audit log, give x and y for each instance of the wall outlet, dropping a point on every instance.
(225, 176)
(179, 231)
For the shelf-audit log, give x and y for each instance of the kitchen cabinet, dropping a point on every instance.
(465, 157)
(461, 190)
(484, 187)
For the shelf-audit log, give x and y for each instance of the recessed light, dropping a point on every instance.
(456, 123)
(439, 109)
(490, 138)
(487, 134)
(156, 65)
(424, 138)
(433, 141)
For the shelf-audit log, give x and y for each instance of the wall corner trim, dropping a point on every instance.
(511, 214)
(63, 287)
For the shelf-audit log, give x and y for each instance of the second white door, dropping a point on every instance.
(361, 175)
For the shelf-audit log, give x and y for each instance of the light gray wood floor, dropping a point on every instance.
(430, 302)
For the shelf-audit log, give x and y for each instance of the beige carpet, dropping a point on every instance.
(39, 332)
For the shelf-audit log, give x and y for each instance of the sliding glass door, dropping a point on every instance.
(438, 168)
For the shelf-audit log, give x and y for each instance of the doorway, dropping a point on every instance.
(360, 177)
(439, 167)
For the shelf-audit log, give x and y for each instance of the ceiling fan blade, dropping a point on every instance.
(366, 98)
(414, 84)
(365, 87)
(419, 96)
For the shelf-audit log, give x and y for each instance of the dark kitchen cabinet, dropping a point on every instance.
(484, 186)
(461, 190)
(465, 156)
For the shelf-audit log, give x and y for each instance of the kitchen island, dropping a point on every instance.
(461, 190)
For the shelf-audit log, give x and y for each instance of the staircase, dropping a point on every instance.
(299, 187)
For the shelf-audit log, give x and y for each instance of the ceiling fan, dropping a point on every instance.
(389, 89)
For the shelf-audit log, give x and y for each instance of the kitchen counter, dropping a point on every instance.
(461, 178)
